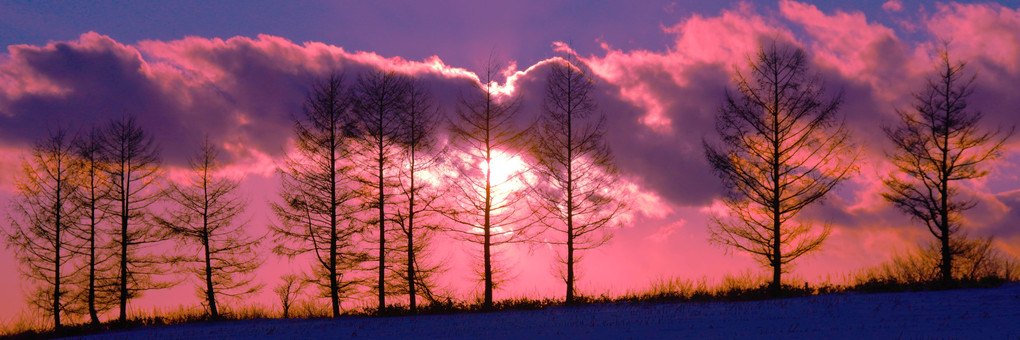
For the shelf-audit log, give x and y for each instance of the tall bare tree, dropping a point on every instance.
(379, 98)
(484, 132)
(419, 120)
(205, 217)
(937, 143)
(94, 197)
(44, 214)
(318, 203)
(784, 148)
(133, 168)
(575, 165)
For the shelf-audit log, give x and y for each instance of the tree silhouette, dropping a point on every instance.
(318, 204)
(937, 143)
(133, 169)
(44, 214)
(784, 149)
(575, 165)
(485, 207)
(419, 120)
(379, 98)
(287, 291)
(94, 197)
(206, 213)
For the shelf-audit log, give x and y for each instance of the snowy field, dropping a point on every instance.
(975, 313)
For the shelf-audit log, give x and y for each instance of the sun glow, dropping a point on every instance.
(506, 179)
(505, 168)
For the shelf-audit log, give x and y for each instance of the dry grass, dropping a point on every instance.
(977, 263)
(37, 326)
(748, 285)
(22, 324)
(908, 272)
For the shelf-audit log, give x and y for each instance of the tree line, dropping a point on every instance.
(368, 185)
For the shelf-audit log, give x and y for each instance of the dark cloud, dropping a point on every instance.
(241, 92)
(673, 163)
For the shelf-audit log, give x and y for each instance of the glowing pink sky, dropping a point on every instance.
(662, 71)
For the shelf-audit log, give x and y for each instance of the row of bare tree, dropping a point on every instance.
(784, 146)
(369, 183)
(373, 147)
(366, 186)
(83, 227)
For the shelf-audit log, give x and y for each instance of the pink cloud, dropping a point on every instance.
(210, 58)
(726, 39)
(987, 38)
(860, 50)
(980, 31)
(893, 6)
(699, 41)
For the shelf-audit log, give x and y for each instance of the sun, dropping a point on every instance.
(506, 169)
(507, 176)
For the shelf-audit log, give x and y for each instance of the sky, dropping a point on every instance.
(238, 70)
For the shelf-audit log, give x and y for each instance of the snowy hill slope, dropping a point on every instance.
(973, 313)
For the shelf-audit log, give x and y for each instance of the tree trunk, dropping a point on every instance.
(570, 200)
(209, 292)
(382, 228)
(487, 253)
(947, 261)
(410, 273)
(570, 265)
(946, 267)
(410, 241)
(93, 313)
(777, 251)
(947, 255)
(777, 273)
(126, 189)
(56, 257)
(334, 286)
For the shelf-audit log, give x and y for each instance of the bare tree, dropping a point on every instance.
(785, 147)
(575, 165)
(318, 203)
(288, 291)
(44, 213)
(485, 133)
(419, 120)
(206, 216)
(133, 168)
(937, 143)
(378, 100)
(94, 197)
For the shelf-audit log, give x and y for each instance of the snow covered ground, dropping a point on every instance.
(974, 313)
